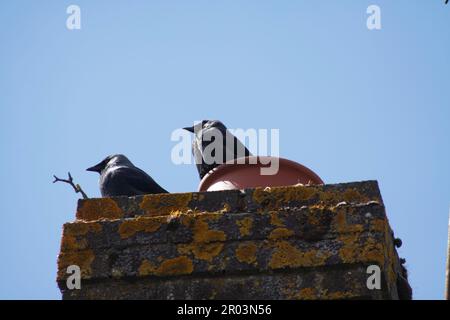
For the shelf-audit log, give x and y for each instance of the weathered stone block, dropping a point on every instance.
(297, 242)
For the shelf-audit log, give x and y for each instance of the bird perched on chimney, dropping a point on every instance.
(119, 177)
(205, 133)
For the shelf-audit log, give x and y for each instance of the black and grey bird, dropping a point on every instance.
(119, 177)
(205, 133)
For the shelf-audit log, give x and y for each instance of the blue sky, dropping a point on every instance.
(350, 103)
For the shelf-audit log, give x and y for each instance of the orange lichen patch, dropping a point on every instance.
(245, 226)
(378, 225)
(187, 219)
(276, 197)
(130, 226)
(202, 251)
(275, 219)
(280, 233)
(176, 266)
(286, 255)
(355, 249)
(307, 294)
(165, 204)
(146, 268)
(95, 209)
(202, 233)
(352, 251)
(341, 220)
(175, 214)
(70, 242)
(73, 236)
(83, 259)
(170, 267)
(339, 295)
(246, 252)
(81, 228)
(190, 219)
(207, 243)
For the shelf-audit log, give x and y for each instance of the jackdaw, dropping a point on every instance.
(119, 177)
(228, 148)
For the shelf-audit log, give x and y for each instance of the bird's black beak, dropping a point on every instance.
(96, 168)
(190, 129)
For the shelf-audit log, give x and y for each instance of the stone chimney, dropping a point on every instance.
(297, 242)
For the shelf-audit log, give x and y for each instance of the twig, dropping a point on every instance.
(76, 187)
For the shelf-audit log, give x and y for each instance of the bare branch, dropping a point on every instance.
(76, 187)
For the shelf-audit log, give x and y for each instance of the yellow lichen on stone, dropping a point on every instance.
(207, 243)
(175, 214)
(286, 255)
(96, 209)
(165, 203)
(378, 225)
(130, 226)
(355, 250)
(350, 247)
(339, 295)
(280, 233)
(246, 252)
(276, 197)
(352, 251)
(202, 251)
(146, 268)
(275, 219)
(73, 236)
(245, 226)
(83, 259)
(177, 266)
(306, 294)
(202, 233)
(70, 242)
(81, 228)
